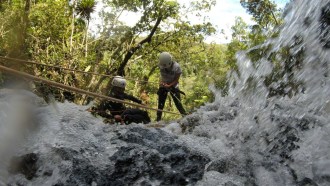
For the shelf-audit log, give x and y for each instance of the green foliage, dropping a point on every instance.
(240, 36)
(11, 27)
(85, 8)
(203, 4)
(56, 33)
(262, 11)
(281, 81)
(266, 16)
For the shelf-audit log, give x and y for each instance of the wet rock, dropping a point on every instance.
(48, 173)
(64, 153)
(235, 103)
(325, 26)
(26, 165)
(321, 171)
(288, 131)
(143, 157)
(306, 182)
(241, 167)
(189, 122)
(229, 183)
(213, 178)
(214, 116)
(84, 173)
(219, 166)
(156, 155)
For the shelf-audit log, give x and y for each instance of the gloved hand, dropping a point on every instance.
(165, 85)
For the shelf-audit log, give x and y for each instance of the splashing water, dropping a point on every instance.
(254, 136)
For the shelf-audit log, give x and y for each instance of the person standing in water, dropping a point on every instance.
(170, 72)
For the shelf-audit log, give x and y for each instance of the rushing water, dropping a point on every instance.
(250, 137)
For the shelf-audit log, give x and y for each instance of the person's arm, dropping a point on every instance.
(178, 72)
(176, 80)
(173, 83)
(132, 98)
(102, 108)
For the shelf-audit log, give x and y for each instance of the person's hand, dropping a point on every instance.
(167, 85)
(118, 118)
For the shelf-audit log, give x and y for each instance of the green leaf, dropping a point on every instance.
(88, 68)
(85, 8)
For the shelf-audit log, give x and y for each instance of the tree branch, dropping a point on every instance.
(132, 50)
(277, 23)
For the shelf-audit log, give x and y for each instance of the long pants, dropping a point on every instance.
(135, 116)
(162, 95)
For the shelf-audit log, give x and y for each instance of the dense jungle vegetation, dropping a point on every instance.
(57, 32)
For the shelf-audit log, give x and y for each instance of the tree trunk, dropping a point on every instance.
(86, 40)
(145, 82)
(23, 32)
(72, 26)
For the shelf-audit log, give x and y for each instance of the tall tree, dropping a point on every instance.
(263, 11)
(240, 39)
(74, 4)
(85, 8)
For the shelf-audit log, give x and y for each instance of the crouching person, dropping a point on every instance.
(109, 109)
